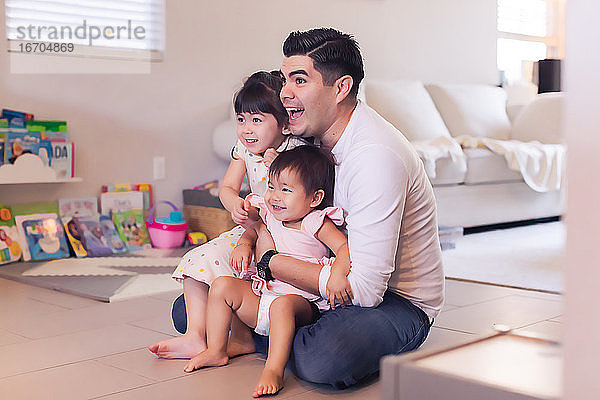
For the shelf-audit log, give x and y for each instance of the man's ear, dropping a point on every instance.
(343, 86)
(317, 198)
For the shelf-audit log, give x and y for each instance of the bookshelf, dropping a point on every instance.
(29, 168)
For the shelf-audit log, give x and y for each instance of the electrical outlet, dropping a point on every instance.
(159, 168)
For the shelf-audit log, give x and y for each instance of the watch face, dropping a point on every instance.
(261, 273)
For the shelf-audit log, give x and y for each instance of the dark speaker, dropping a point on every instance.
(549, 75)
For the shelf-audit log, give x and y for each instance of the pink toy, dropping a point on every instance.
(166, 232)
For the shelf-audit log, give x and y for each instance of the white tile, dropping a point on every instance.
(545, 329)
(75, 381)
(443, 338)
(459, 293)
(59, 350)
(369, 391)
(168, 296)
(234, 381)
(160, 323)
(513, 311)
(7, 338)
(146, 364)
(95, 316)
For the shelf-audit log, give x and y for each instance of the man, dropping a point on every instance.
(396, 276)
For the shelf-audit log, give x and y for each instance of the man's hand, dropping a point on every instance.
(241, 257)
(269, 156)
(338, 289)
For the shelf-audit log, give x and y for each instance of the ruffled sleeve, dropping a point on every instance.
(237, 151)
(313, 221)
(258, 202)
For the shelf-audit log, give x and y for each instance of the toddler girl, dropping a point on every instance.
(295, 211)
(261, 120)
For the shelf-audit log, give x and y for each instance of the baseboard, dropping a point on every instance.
(507, 225)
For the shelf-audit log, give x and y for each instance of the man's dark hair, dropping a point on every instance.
(260, 94)
(314, 167)
(334, 54)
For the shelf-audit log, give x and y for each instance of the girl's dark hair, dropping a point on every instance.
(260, 94)
(315, 169)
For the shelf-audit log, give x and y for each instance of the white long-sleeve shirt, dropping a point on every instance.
(381, 184)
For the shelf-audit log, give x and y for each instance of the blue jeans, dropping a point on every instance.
(344, 345)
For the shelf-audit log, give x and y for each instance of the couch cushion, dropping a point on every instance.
(472, 110)
(407, 106)
(483, 166)
(540, 120)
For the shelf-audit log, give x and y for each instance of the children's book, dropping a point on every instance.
(18, 144)
(16, 119)
(92, 236)
(145, 188)
(10, 248)
(78, 206)
(73, 236)
(112, 236)
(51, 130)
(62, 158)
(72, 207)
(132, 229)
(44, 235)
(120, 201)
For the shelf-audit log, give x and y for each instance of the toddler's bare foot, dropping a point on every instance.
(270, 382)
(186, 346)
(207, 358)
(238, 348)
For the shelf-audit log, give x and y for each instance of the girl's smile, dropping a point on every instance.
(258, 131)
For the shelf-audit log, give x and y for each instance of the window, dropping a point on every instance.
(126, 29)
(528, 31)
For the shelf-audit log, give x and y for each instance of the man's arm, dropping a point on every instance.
(375, 183)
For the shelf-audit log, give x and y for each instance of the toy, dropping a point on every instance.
(196, 238)
(167, 232)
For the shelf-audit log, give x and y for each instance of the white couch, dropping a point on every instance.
(477, 188)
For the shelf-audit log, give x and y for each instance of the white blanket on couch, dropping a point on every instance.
(441, 147)
(542, 165)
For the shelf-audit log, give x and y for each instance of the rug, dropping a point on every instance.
(528, 257)
(107, 279)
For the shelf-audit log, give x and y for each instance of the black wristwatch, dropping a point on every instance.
(262, 268)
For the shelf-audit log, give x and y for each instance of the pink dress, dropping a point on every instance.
(298, 243)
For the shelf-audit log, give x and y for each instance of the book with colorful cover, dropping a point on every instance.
(132, 229)
(51, 130)
(112, 236)
(92, 236)
(44, 235)
(18, 144)
(71, 207)
(11, 249)
(16, 119)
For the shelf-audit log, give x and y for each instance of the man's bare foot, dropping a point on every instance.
(239, 348)
(186, 346)
(207, 358)
(270, 382)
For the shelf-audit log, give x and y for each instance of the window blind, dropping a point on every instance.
(126, 24)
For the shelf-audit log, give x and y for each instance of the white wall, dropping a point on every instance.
(119, 122)
(582, 320)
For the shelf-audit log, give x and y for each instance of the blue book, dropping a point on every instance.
(44, 236)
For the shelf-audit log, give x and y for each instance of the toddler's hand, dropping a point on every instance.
(338, 289)
(239, 214)
(269, 156)
(241, 257)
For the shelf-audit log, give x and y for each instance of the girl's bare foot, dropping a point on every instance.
(270, 382)
(238, 348)
(186, 346)
(207, 358)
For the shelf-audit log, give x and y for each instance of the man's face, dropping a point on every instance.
(310, 104)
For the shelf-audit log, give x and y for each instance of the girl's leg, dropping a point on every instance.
(286, 313)
(240, 339)
(226, 296)
(194, 339)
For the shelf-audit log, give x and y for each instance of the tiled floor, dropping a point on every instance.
(58, 346)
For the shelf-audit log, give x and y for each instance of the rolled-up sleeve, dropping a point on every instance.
(375, 184)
